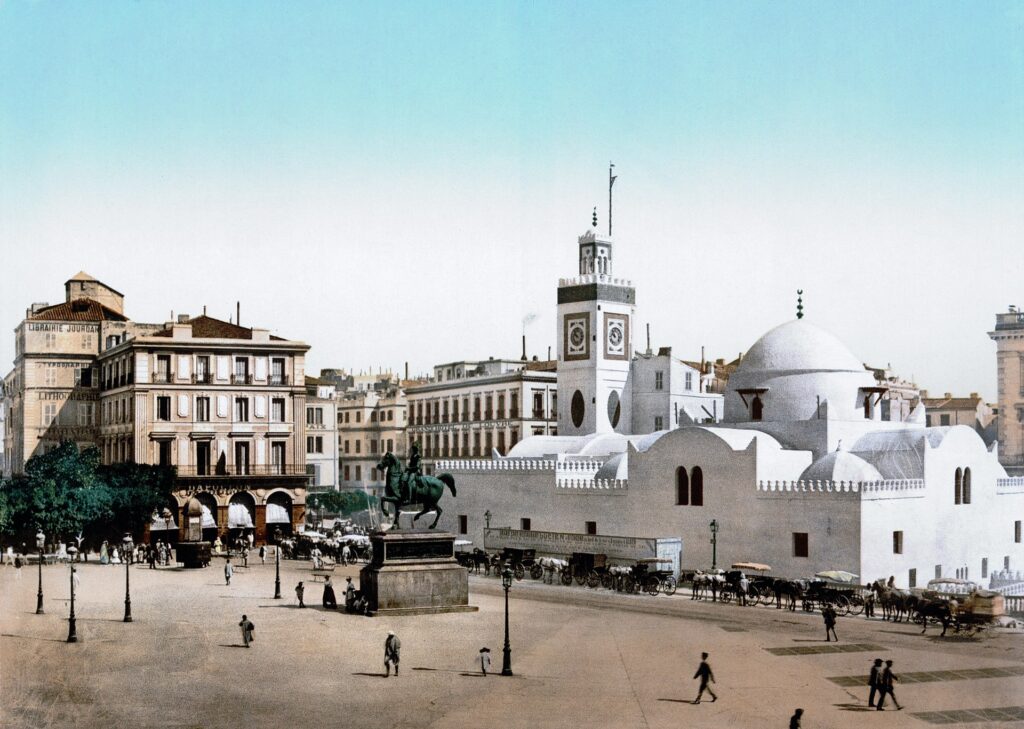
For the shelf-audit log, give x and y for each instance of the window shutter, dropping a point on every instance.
(182, 452)
(261, 453)
(183, 405)
(261, 406)
(141, 369)
(261, 368)
(184, 367)
(222, 406)
(223, 367)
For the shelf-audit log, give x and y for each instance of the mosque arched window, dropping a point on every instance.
(682, 487)
(697, 487)
(967, 486)
(756, 408)
(958, 483)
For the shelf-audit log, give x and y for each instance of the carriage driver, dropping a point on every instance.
(412, 470)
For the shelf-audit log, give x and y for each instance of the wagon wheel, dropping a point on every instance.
(536, 571)
(607, 580)
(724, 595)
(566, 576)
(653, 586)
(519, 571)
(856, 606)
(593, 579)
(580, 576)
(669, 585)
(628, 584)
(842, 604)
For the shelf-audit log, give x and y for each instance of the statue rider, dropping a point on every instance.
(412, 471)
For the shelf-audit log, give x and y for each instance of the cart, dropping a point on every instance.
(645, 576)
(520, 561)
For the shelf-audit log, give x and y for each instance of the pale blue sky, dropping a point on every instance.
(425, 167)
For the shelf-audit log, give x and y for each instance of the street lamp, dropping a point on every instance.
(40, 543)
(506, 662)
(277, 571)
(487, 518)
(72, 637)
(714, 543)
(127, 586)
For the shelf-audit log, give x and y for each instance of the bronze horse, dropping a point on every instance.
(418, 489)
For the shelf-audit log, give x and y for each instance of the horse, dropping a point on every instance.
(895, 603)
(938, 609)
(703, 581)
(425, 490)
(792, 589)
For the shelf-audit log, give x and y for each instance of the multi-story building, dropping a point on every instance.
(971, 411)
(371, 421)
(226, 406)
(472, 409)
(668, 392)
(223, 404)
(52, 394)
(321, 435)
(1009, 338)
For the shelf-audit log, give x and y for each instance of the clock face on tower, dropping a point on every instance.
(577, 337)
(616, 343)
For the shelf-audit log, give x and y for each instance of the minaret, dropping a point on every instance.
(595, 317)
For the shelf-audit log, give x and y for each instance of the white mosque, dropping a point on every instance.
(801, 471)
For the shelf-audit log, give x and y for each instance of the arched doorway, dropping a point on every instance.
(279, 515)
(209, 503)
(241, 515)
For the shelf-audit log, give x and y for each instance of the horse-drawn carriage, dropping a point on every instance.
(644, 576)
(586, 568)
(759, 586)
(520, 561)
(958, 603)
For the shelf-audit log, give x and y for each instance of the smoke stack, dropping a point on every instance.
(648, 339)
(549, 353)
(702, 358)
(407, 370)
(238, 313)
(524, 348)
(204, 309)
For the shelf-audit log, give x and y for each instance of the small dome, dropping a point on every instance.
(799, 346)
(616, 467)
(840, 466)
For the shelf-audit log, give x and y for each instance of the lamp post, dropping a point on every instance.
(40, 543)
(714, 543)
(487, 518)
(277, 571)
(72, 636)
(127, 543)
(506, 661)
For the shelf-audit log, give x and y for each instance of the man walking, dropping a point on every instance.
(829, 616)
(263, 554)
(706, 676)
(875, 682)
(247, 628)
(228, 571)
(741, 597)
(485, 660)
(392, 649)
(300, 591)
(794, 721)
(888, 677)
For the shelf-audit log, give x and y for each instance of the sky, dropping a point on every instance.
(405, 182)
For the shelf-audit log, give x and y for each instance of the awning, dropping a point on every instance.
(277, 514)
(755, 566)
(238, 517)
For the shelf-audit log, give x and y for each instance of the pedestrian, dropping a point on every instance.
(17, 566)
(869, 606)
(485, 660)
(251, 537)
(706, 676)
(888, 678)
(794, 721)
(392, 650)
(228, 571)
(9, 556)
(247, 629)
(300, 591)
(741, 598)
(350, 594)
(75, 579)
(151, 554)
(330, 601)
(875, 682)
(263, 554)
(245, 556)
(829, 616)
(346, 555)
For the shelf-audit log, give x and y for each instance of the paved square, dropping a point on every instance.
(580, 657)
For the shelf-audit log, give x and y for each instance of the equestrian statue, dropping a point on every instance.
(411, 486)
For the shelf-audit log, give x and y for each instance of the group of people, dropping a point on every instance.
(355, 601)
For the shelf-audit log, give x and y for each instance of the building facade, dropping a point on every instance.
(472, 409)
(321, 435)
(371, 421)
(1009, 338)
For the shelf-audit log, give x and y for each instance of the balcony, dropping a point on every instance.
(163, 378)
(202, 378)
(278, 380)
(488, 415)
(234, 471)
(241, 379)
(538, 414)
(513, 413)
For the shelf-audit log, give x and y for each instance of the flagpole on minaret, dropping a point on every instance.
(611, 181)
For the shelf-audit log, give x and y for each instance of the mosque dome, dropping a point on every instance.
(799, 346)
(796, 372)
(840, 466)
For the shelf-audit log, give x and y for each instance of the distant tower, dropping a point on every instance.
(595, 321)
(1009, 338)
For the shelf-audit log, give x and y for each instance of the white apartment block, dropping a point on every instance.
(321, 435)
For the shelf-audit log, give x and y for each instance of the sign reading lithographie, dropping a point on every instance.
(74, 395)
(563, 543)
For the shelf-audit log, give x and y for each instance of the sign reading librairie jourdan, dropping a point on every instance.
(560, 544)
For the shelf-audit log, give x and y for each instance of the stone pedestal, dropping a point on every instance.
(415, 572)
